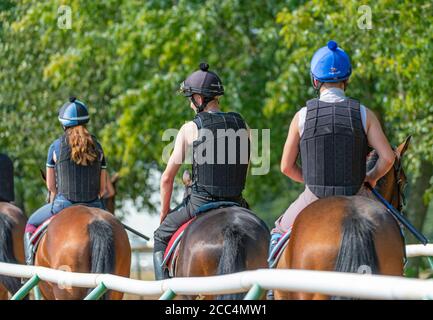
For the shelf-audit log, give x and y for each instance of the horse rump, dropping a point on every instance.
(7, 252)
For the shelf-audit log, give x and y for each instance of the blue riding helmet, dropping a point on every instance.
(330, 64)
(73, 113)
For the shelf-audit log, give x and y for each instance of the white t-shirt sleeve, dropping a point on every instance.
(301, 120)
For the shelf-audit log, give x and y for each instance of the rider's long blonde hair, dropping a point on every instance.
(83, 148)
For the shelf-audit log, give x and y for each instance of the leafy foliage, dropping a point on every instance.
(125, 59)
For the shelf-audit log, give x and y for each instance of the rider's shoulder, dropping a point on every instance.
(188, 128)
(190, 125)
(55, 144)
(189, 131)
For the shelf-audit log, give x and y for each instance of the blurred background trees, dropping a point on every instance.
(126, 59)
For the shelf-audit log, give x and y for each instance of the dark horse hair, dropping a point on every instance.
(101, 248)
(233, 256)
(357, 251)
(7, 253)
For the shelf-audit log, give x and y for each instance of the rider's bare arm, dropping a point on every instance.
(51, 182)
(290, 153)
(109, 189)
(377, 139)
(103, 183)
(185, 137)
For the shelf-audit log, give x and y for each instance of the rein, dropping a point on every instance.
(396, 213)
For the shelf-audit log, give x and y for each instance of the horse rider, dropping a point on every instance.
(76, 169)
(213, 180)
(332, 134)
(7, 193)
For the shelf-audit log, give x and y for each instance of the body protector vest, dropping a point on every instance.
(6, 179)
(333, 148)
(221, 154)
(76, 182)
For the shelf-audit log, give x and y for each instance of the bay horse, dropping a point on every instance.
(83, 239)
(349, 234)
(12, 225)
(88, 240)
(223, 241)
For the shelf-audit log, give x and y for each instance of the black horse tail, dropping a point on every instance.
(357, 251)
(233, 256)
(7, 253)
(101, 248)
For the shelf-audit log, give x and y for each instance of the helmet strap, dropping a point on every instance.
(344, 85)
(318, 87)
(201, 107)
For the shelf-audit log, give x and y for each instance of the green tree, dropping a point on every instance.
(126, 59)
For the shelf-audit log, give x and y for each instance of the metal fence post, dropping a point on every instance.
(37, 293)
(255, 293)
(430, 262)
(96, 293)
(25, 289)
(168, 295)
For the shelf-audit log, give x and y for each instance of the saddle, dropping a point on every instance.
(277, 251)
(42, 229)
(172, 251)
(39, 233)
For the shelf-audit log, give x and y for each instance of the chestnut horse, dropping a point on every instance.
(12, 224)
(223, 241)
(349, 234)
(83, 239)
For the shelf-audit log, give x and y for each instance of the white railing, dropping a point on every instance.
(419, 250)
(329, 283)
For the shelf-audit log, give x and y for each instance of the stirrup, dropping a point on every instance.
(270, 295)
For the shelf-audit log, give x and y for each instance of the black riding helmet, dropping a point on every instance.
(203, 82)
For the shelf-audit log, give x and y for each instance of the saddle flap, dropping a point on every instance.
(278, 250)
(37, 235)
(174, 242)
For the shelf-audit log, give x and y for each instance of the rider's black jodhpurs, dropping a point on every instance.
(177, 218)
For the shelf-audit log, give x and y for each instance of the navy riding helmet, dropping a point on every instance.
(203, 82)
(73, 113)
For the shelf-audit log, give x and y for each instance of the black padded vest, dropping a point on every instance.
(333, 148)
(223, 173)
(7, 193)
(76, 182)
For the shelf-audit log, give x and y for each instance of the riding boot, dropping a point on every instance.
(28, 248)
(161, 272)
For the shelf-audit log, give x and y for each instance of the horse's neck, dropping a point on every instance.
(110, 204)
(388, 192)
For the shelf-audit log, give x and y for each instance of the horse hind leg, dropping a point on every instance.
(3, 293)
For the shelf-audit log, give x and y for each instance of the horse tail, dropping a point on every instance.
(7, 252)
(357, 252)
(101, 248)
(233, 256)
